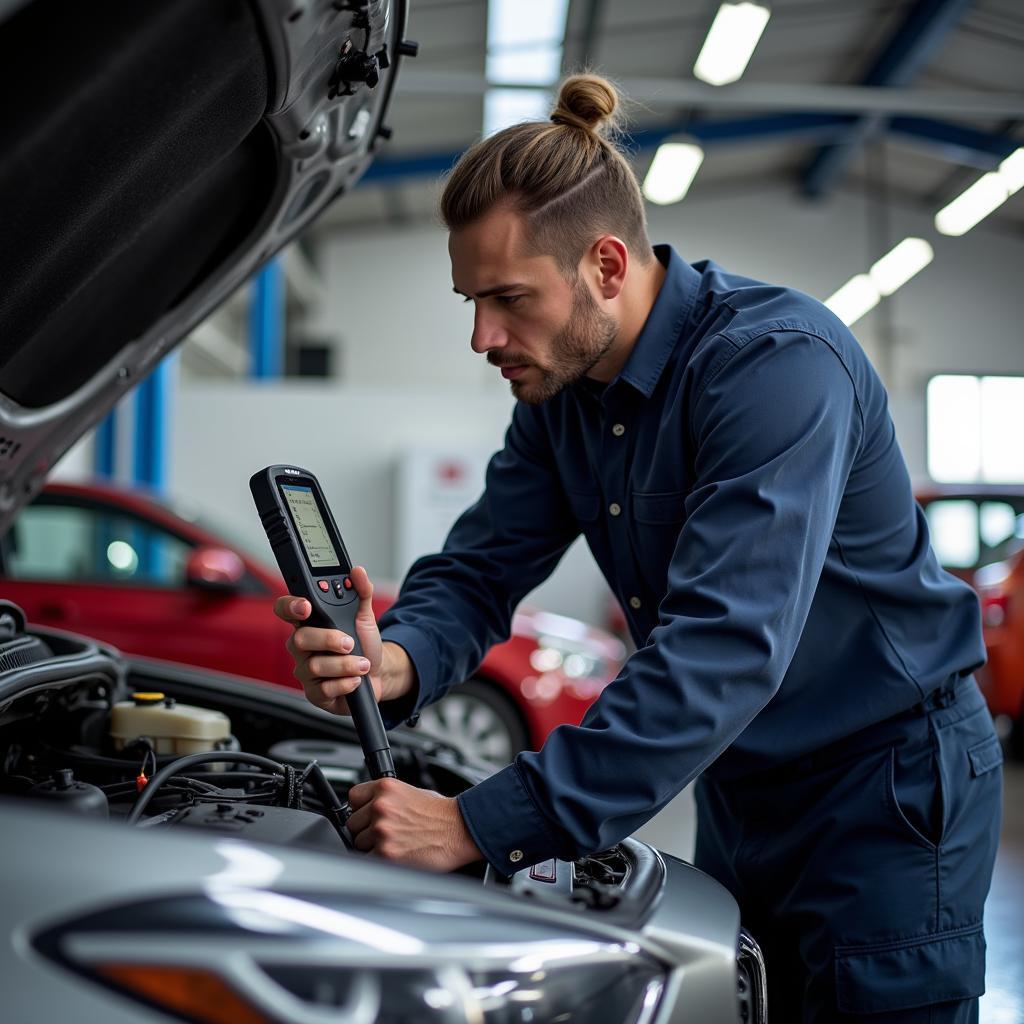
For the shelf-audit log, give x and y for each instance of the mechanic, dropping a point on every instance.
(726, 448)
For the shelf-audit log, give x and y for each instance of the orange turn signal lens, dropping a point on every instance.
(198, 994)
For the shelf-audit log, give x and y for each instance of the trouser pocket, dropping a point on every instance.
(908, 973)
(934, 787)
(969, 762)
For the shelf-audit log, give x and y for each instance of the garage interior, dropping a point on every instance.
(869, 154)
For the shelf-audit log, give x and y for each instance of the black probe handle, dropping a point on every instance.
(361, 702)
(325, 613)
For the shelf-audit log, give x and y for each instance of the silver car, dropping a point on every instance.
(173, 840)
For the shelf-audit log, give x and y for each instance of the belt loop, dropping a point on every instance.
(945, 695)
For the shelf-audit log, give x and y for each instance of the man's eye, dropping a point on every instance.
(508, 300)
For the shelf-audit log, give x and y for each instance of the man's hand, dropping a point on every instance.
(410, 826)
(324, 664)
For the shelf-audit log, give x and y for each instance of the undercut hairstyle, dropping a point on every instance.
(566, 177)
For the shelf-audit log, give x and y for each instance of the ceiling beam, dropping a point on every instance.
(795, 127)
(777, 127)
(693, 95)
(953, 142)
(956, 143)
(913, 44)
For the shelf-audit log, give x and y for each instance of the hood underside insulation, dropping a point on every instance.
(133, 163)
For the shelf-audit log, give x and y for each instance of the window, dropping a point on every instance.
(968, 533)
(976, 429)
(954, 529)
(90, 544)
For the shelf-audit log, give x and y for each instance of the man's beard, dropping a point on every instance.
(576, 349)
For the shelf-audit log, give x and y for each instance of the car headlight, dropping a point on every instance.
(259, 957)
(572, 647)
(574, 660)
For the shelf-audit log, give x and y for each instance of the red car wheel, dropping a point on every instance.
(479, 719)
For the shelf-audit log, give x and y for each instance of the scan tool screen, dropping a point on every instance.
(310, 526)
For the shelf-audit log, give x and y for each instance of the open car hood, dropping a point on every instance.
(155, 155)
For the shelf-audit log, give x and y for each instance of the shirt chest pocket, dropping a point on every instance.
(665, 508)
(659, 518)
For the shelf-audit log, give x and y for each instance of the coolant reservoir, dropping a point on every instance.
(171, 727)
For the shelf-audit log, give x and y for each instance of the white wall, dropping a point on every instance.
(408, 377)
(959, 314)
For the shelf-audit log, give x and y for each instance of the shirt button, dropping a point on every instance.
(615, 508)
(635, 602)
(516, 856)
(618, 430)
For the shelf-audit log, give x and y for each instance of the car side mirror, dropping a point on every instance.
(210, 568)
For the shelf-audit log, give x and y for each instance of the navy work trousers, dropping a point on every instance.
(862, 869)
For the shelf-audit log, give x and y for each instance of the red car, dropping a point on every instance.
(125, 568)
(978, 534)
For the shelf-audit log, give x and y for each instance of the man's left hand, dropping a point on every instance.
(410, 826)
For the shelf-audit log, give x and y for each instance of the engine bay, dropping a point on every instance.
(157, 746)
(149, 758)
(146, 747)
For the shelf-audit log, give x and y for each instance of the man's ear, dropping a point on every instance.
(607, 261)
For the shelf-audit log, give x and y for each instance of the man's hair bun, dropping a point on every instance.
(589, 102)
(565, 177)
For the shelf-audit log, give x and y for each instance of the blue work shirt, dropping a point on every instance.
(740, 486)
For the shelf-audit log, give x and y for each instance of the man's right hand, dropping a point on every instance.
(324, 664)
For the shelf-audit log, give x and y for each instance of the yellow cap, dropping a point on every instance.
(141, 697)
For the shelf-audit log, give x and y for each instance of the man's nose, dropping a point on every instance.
(487, 334)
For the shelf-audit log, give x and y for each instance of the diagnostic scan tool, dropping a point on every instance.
(316, 566)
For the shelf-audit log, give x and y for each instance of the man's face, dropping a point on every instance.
(543, 331)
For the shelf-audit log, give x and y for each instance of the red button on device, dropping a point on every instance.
(323, 585)
(348, 583)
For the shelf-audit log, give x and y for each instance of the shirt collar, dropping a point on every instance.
(664, 325)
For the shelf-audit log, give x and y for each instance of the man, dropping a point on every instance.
(726, 448)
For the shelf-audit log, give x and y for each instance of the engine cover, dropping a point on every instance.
(261, 823)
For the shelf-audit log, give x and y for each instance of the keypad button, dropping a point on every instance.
(323, 585)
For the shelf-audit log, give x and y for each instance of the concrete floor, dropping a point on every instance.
(1003, 1003)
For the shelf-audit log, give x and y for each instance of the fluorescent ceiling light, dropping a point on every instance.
(972, 205)
(672, 172)
(731, 41)
(854, 299)
(899, 265)
(1011, 170)
(988, 193)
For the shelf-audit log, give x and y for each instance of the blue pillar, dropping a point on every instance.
(266, 321)
(152, 405)
(105, 447)
(152, 401)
